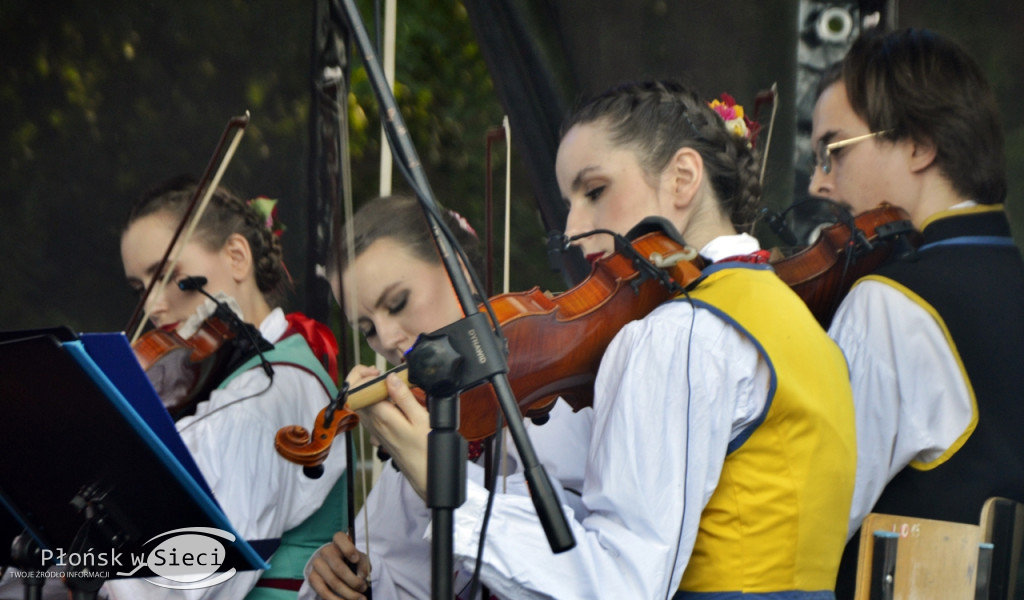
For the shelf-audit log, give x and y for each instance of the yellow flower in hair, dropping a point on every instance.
(735, 121)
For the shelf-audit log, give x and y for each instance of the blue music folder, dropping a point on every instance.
(89, 452)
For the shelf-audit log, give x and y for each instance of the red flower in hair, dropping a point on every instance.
(735, 121)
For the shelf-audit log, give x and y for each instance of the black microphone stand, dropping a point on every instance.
(26, 555)
(453, 359)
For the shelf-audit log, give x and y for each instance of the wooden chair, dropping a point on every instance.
(908, 558)
(1002, 525)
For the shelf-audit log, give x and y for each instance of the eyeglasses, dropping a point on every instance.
(823, 152)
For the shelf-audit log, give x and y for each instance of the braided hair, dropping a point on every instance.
(225, 215)
(657, 118)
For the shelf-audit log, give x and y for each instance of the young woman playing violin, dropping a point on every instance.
(401, 289)
(934, 343)
(231, 432)
(722, 454)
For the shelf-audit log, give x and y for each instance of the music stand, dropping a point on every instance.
(84, 466)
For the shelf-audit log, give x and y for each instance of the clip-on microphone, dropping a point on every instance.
(778, 224)
(195, 283)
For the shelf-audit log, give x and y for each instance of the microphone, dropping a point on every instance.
(778, 225)
(859, 239)
(195, 283)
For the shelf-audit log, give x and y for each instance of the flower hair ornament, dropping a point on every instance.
(267, 208)
(735, 121)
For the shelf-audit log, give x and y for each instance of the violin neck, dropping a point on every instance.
(375, 390)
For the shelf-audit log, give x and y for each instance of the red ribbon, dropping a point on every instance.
(320, 339)
(758, 257)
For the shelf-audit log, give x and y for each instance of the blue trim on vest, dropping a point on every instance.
(749, 430)
(791, 595)
(731, 264)
(971, 240)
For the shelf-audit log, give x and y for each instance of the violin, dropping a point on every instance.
(823, 272)
(555, 343)
(184, 371)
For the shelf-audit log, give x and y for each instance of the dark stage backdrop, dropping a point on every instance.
(545, 54)
(100, 99)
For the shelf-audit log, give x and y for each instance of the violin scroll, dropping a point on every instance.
(298, 445)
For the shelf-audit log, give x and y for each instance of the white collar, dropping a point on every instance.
(274, 326)
(730, 245)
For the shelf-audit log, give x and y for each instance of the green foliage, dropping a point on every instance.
(102, 100)
(447, 100)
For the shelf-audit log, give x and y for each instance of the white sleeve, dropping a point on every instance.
(911, 397)
(663, 418)
(231, 437)
(395, 517)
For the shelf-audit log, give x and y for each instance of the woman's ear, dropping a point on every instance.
(685, 172)
(239, 256)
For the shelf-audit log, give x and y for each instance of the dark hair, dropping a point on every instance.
(226, 214)
(657, 118)
(399, 218)
(925, 87)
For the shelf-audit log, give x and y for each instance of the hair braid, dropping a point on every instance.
(657, 118)
(225, 215)
(267, 251)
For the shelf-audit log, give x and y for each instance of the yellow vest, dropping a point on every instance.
(777, 520)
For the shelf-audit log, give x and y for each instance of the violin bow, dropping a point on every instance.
(190, 219)
(554, 522)
(506, 264)
(355, 448)
(773, 95)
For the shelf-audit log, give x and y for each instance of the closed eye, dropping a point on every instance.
(398, 304)
(595, 193)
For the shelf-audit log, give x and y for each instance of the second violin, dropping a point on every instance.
(823, 272)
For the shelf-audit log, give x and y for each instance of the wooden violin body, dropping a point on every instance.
(823, 272)
(556, 341)
(184, 371)
(555, 344)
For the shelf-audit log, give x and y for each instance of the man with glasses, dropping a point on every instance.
(935, 341)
